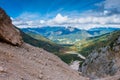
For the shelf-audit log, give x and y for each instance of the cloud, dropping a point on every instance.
(27, 19)
(111, 6)
(108, 16)
(79, 22)
(60, 19)
(57, 20)
(29, 15)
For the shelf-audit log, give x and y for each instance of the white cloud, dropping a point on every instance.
(112, 4)
(28, 16)
(42, 21)
(57, 20)
(80, 22)
(106, 12)
(60, 19)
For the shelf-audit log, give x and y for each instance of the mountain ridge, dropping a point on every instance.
(104, 60)
(22, 61)
(62, 35)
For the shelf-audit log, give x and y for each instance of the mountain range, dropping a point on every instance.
(80, 41)
(68, 35)
(23, 55)
(21, 61)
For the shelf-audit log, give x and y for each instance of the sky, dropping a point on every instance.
(83, 14)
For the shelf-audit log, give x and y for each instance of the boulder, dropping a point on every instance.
(8, 33)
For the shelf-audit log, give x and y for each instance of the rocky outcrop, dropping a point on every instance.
(26, 62)
(103, 62)
(7, 31)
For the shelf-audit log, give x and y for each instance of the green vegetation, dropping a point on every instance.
(85, 47)
(39, 41)
(42, 42)
(67, 39)
(68, 58)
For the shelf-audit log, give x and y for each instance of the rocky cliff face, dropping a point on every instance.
(26, 62)
(7, 32)
(104, 62)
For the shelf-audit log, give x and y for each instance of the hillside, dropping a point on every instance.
(42, 42)
(30, 63)
(104, 59)
(62, 35)
(21, 61)
(85, 46)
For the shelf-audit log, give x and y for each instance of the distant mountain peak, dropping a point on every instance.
(71, 29)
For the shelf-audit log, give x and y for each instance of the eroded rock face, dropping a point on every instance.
(7, 31)
(103, 62)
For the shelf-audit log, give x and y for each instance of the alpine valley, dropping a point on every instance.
(67, 35)
(68, 42)
(59, 39)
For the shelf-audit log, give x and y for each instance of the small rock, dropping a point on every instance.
(118, 41)
(2, 69)
(40, 76)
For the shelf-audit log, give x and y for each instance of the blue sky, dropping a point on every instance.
(76, 13)
(44, 7)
